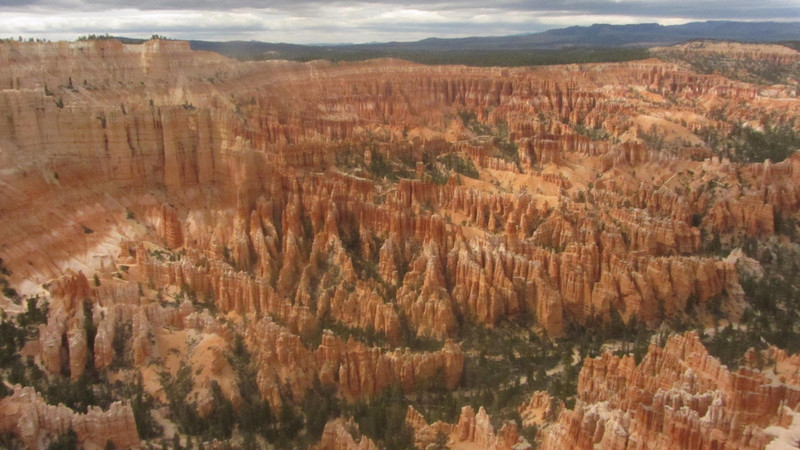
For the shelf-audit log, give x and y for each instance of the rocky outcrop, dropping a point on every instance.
(337, 435)
(357, 370)
(424, 296)
(678, 396)
(26, 415)
(309, 207)
(63, 342)
(591, 268)
(104, 340)
(749, 214)
(171, 227)
(734, 59)
(424, 434)
(540, 409)
(475, 428)
(785, 366)
(51, 337)
(470, 430)
(246, 189)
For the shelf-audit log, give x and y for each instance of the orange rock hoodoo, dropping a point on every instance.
(25, 414)
(470, 430)
(677, 397)
(295, 198)
(287, 226)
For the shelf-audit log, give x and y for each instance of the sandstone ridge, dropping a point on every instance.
(279, 229)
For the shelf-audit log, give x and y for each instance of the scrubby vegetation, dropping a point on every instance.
(380, 167)
(773, 316)
(7, 290)
(504, 362)
(503, 147)
(14, 334)
(460, 165)
(473, 57)
(94, 37)
(68, 441)
(382, 419)
(744, 144)
(595, 134)
(747, 69)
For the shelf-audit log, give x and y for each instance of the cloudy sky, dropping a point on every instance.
(316, 21)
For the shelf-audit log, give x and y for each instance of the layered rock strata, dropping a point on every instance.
(35, 423)
(393, 203)
(678, 396)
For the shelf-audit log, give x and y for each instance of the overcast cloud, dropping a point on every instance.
(313, 21)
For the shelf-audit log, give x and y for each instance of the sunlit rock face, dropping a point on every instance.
(677, 397)
(333, 216)
(34, 422)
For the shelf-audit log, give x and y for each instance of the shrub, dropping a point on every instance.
(464, 166)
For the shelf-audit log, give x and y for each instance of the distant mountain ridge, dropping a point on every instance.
(577, 44)
(604, 35)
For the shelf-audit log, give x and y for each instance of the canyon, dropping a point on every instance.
(244, 232)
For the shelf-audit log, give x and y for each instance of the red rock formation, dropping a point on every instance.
(424, 434)
(257, 190)
(171, 227)
(470, 430)
(50, 341)
(281, 258)
(336, 436)
(26, 415)
(357, 370)
(77, 346)
(540, 409)
(424, 296)
(678, 396)
(785, 366)
(478, 429)
(748, 213)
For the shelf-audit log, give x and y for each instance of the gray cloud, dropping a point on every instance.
(310, 21)
(742, 9)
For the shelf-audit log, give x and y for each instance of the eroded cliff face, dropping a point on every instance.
(677, 397)
(773, 64)
(358, 371)
(337, 436)
(186, 154)
(347, 221)
(30, 418)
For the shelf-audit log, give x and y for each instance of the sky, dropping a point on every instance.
(317, 22)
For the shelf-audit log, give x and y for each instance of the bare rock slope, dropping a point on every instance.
(343, 226)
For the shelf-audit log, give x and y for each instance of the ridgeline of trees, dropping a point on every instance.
(748, 145)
